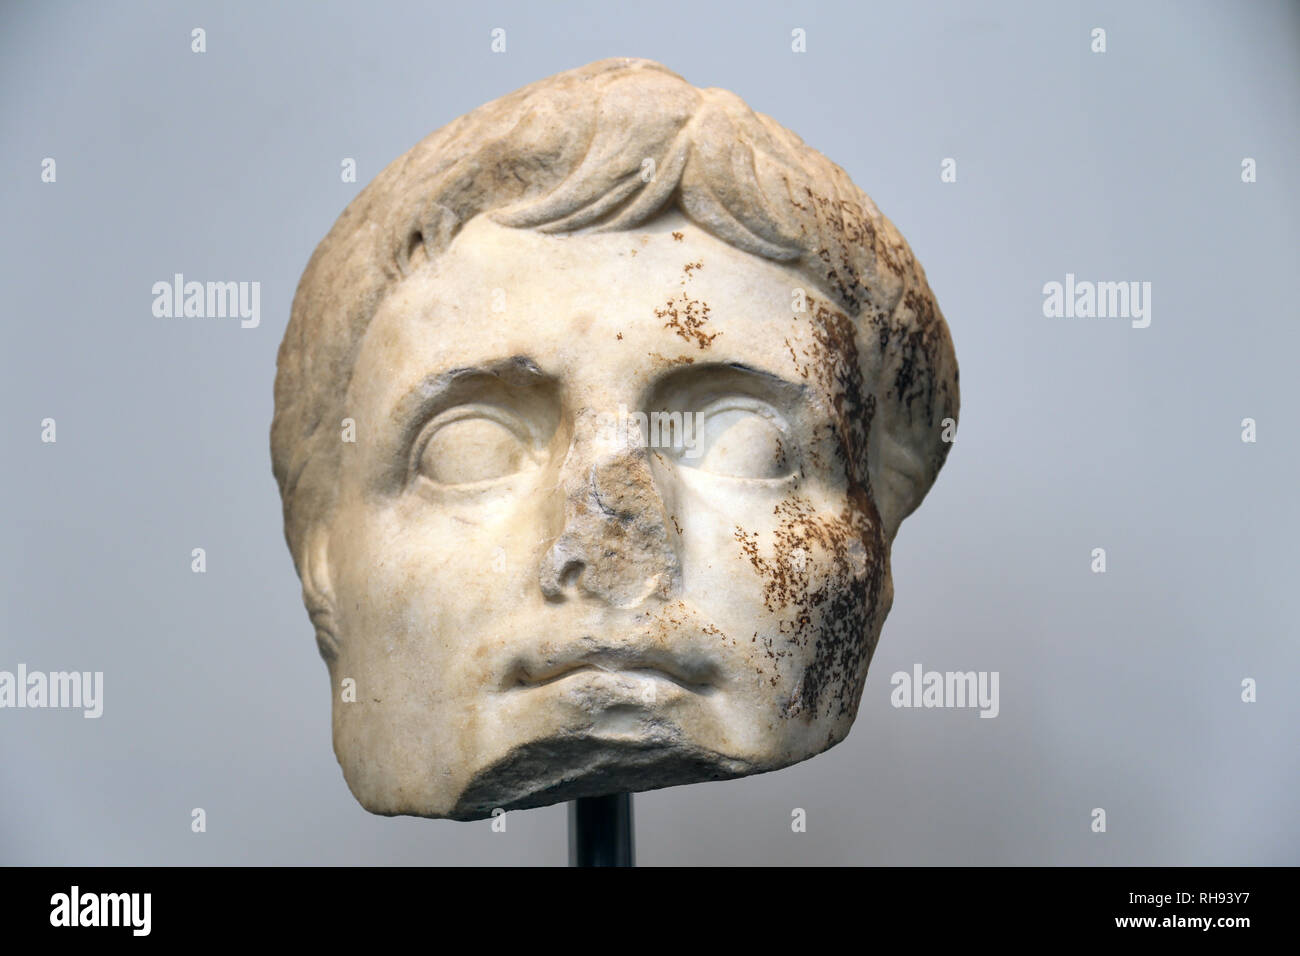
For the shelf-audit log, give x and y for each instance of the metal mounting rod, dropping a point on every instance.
(600, 831)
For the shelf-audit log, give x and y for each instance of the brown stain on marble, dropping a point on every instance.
(689, 319)
(670, 361)
(823, 573)
(822, 577)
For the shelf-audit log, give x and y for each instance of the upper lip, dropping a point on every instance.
(693, 674)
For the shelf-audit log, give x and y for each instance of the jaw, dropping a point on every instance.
(624, 748)
(567, 768)
(533, 729)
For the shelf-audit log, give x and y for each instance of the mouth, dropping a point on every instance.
(696, 675)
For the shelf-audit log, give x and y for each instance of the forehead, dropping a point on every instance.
(589, 266)
(573, 303)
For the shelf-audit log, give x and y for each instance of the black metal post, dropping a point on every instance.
(600, 831)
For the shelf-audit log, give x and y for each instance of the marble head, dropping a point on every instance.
(595, 419)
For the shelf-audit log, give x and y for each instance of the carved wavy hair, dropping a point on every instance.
(567, 154)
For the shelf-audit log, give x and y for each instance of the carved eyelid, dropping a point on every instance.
(760, 409)
(468, 411)
(745, 403)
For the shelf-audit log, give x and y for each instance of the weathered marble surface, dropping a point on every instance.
(520, 598)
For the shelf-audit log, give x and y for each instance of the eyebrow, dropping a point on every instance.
(785, 392)
(777, 383)
(415, 407)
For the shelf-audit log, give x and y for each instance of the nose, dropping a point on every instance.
(614, 545)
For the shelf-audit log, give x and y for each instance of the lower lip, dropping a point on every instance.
(633, 681)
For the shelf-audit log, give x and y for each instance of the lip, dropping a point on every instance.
(697, 676)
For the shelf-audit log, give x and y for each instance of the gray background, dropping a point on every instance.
(1119, 691)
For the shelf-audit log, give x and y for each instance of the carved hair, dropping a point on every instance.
(569, 154)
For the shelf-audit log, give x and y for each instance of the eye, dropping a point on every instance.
(471, 447)
(743, 443)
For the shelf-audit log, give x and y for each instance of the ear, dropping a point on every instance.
(317, 594)
(899, 479)
(917, 412)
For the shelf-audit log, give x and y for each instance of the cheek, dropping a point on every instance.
(385, 609)
(818, 573)
(412, 586)
(843, 611)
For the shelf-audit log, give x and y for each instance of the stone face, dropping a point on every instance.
(596, 417)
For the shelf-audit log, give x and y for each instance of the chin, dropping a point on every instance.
(595, 735)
